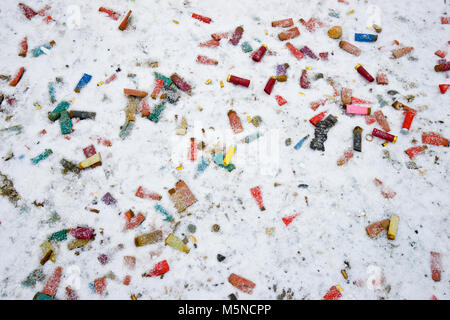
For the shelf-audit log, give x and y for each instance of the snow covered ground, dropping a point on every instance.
(303, 259)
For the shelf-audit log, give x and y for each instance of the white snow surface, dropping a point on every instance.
(306, 256)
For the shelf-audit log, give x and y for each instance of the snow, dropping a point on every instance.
(305, 256)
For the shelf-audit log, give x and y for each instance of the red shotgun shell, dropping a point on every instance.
(269, 85)
(201, 18)
(442, 67)
(237, 36)
(317, 118)
(239, 81)
(364, 73)
(409, 116)
(384, 135)
(124, 23)
(257, 56)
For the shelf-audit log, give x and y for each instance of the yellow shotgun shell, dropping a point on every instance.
(221, 84)
(393, 225)
(208, 81)
(100, 83)
(46, 247)
(90, 161)
(229, 155)
(344, 274)
(176, 243)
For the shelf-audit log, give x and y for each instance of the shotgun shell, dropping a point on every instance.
(346, 96)
(42, 156)
(356, 109)
(332, 294)
(77, 243)
(158, 269)
(17, 78)
(96, 158)
(304, 81)
(156, 113)
(201, 18)
(376, 228)
(284, 23)
(393, 225)
(289, 34)
(258, 54)
(295, 52)
(235, 122)
(23, 47)
(148, 238)
(365, 37)
(409, 116)
(209, 43)
(176, 199)
(436, 266)
(176, 243)
(112, 14)
(309, 53)
(27, 11)
(442, 67)
(135, 93)
(314, 120)
(65, 123)
(364, 73)
(269, 86)
(300, 143)
(350, 48)
(434, 139)
(83, 82)
(238, 81)
(229, 155)
(384, 135)
(444, 87)
(357, 140)
(414, 151)
(180, 83)
(206, 60)
(56, 113)
(382, 78)
(281, 72)
(185, 193)
(82, 115)
(124, 23)
(237, 35)
(241, 283)
(398, 53)
(256, 193)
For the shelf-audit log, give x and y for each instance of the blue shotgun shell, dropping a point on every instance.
(300, 143)
(365, 37)
(83, 82)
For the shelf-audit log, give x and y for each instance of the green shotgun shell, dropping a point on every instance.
(42, 296)
(148, 238)
(55, 114)
(65, 122)
(58, 236)
(176, 243)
